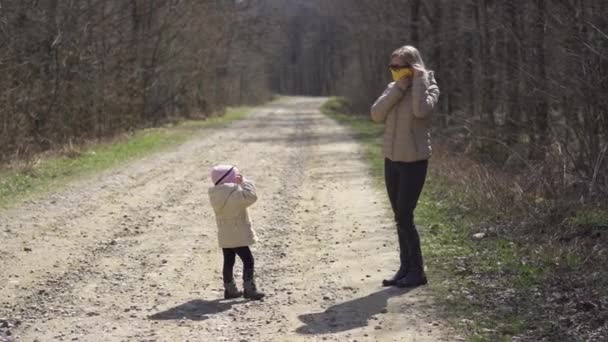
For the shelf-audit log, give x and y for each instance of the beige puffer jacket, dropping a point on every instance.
(230, 202)
(406, 115)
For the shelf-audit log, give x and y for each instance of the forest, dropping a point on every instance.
(523, 83)
(520, 135)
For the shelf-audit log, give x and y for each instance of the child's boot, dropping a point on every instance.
(251, 291)
(231, 291)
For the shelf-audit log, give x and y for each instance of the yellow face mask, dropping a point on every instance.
(401, 73)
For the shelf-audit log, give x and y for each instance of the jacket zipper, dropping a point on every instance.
(415, 144)
(395, 126)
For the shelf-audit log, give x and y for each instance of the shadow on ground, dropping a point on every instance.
(196, 310)
(349, 315)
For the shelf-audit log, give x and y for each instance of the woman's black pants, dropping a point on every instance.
(404, 182)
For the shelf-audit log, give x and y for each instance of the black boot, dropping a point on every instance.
(403, 258)
(398, 276)
(251, 291)
(231, 291)
(415, 275)
(413, 279)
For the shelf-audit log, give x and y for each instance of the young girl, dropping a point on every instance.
(230, 196)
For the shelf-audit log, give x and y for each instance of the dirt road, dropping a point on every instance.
(131, 254)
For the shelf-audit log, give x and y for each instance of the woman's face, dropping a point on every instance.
(397, 62)
(399, 69)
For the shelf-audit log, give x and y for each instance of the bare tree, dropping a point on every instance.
(75, 70)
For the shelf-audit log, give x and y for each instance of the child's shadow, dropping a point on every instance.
(348, 315)
(195, 310)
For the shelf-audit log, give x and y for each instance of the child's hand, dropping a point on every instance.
(239, 179)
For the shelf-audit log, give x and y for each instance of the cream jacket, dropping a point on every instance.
(406, 115)
(230, 202)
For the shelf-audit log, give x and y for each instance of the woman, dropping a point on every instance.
(405, 108)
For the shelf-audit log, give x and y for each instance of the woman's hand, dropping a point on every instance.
(239, 178)
(404, 83)
(417, 72)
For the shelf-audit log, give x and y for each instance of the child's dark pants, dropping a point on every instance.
(229, 258)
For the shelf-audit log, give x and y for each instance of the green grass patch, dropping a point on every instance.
(336, 105)
(590, 218)
(18, 182)
(453, 257)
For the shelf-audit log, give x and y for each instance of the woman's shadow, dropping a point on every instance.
(348, 315)
(195, 310)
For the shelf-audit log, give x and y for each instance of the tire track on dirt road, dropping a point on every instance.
(131, 254)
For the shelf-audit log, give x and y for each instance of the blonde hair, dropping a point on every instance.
(410, 55)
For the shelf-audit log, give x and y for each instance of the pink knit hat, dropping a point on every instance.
(221, 174)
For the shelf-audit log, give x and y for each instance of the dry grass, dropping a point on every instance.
(44, 171)
(537, 272)
(554, 285)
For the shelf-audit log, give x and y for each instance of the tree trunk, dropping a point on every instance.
(540, 97)
(513, 56)
(415, 22)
